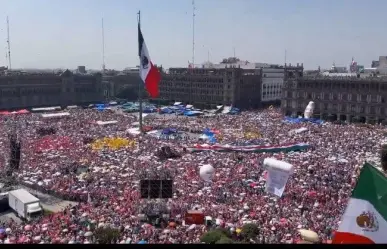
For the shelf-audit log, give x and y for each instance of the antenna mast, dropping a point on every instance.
(193, 33)
(286, 53)
(9, 46)
(103, 47)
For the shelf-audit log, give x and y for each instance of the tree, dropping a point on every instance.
(105, 235)
(224, 240)
(383, 157)
(213, 236)
(249, 231)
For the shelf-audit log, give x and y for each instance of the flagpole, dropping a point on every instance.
(140, 82)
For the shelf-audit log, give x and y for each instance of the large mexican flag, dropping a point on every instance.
(365, 218)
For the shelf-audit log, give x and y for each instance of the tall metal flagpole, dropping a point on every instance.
(140, 82)
(9, 45)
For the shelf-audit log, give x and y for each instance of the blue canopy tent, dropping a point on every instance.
(149, 109)
(168, 131)
(100, 107)
(166, 111)
(210, 135)
(234, 111)
(303, 120)
(192, 113)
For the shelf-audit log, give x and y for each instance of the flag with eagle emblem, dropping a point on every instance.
(365, 218)
(148, 72)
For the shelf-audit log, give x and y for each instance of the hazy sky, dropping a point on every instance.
(53, 33)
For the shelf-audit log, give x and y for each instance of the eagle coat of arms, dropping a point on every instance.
(144, 62)
(368, 222)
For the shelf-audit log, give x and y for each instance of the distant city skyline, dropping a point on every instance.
(47, 34)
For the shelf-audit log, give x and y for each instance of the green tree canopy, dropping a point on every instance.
(105, 235)
(250, 231)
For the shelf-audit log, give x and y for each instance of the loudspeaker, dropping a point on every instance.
(167, 189)
(144, 188)
(155, 189)
(15, 155)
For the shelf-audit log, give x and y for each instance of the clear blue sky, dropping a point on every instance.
(53, 33)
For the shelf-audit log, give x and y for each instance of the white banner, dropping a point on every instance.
(276, 181)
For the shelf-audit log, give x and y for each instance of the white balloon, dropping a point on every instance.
(206, 172)
(309, 110)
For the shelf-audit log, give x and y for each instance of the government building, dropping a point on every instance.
(344, 97)
(241, 84)
(232, 82)
(25, 90)
(205, 87)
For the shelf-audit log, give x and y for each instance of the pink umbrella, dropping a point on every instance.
(28, 228)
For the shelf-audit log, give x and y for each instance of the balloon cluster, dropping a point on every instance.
(112, 143)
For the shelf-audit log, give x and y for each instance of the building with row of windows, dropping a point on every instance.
(245, 85)
(25, 90)
(211, 87)
(347, 98)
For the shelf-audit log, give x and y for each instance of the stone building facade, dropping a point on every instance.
(352, 99)
(48, 89)
(210, 87)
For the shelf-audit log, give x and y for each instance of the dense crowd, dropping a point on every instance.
(315, 196)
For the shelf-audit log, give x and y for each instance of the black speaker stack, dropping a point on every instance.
(155, 189)
(14, 160)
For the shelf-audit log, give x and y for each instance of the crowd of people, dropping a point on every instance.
(109, 186)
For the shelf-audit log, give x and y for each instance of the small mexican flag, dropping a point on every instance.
(365, 218)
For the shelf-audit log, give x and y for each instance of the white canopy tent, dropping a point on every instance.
(46, 109)
(55, 115)
(102, 123)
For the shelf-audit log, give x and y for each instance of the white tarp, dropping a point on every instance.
(278, 173)
(226, 109)
(177, 103)
(107, 122)
(134, 131)
(55, 115)
(144, 115)
(46, 109)
(298, 131)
